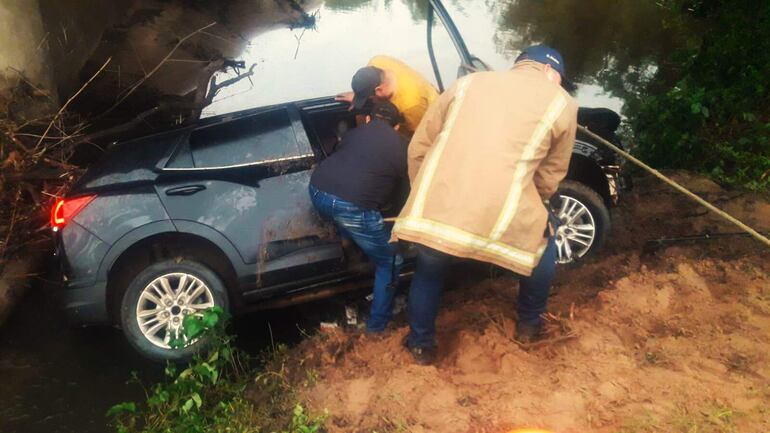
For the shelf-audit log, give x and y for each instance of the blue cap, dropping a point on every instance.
(547, 56)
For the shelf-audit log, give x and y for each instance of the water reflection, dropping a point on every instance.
(602, 41)
(607, 44)
(611, 43)
(147, 46)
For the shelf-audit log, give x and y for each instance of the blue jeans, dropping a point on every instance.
(367, 229)
(428, 282)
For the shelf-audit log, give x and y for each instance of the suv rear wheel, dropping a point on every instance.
(157, 300)
(585, 221)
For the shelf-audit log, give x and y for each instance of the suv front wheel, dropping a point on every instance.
(158, 299)
(584, 218)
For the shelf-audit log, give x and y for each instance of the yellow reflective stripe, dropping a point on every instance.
(464, 239)
(511, 205)
(429, 169)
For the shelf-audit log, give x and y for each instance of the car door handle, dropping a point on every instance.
(185, 190)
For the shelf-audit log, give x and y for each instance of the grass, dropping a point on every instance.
(713, 417)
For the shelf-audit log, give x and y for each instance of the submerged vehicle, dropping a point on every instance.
(218, 214)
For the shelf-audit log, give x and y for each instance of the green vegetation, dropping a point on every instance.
(714, 116)
(693, 74)
(210, 394)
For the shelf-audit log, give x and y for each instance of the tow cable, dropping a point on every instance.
(750, 231)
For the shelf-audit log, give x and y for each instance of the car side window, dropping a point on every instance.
(263, 137)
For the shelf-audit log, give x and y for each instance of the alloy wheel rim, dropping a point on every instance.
(164, 303)
(577, 232)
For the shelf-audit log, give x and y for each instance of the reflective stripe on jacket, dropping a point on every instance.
(485, 156)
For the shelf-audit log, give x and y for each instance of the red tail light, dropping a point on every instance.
(66, 209)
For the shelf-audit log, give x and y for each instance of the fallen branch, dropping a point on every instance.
(10, 228)
(66, 104)
(214, 88)
(192, 103)
(123, 127)
(155, 69)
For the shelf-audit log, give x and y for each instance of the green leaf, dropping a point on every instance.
(122, 408)
(193, 327)
(197, 399)
(188, 405)
(205, 370)
(695, 108)
(210, 319)
(214, 377)
(170, 370)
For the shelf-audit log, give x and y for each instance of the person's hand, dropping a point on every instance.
(345, 97)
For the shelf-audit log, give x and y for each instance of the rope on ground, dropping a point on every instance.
(676, 186)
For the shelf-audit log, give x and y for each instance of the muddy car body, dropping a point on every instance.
(218, 214)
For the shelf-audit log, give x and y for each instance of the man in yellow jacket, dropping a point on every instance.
(388, 79)
(487, 154)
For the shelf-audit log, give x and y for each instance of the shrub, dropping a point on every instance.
(715, 118)
(209, 394)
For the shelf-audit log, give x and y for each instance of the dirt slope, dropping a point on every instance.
(673, 339)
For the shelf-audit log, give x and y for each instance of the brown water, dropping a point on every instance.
(312, 51)
(55, 379)
(58, 379)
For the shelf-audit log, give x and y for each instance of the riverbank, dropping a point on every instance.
(644, 337)
(669, 335)
(14, 279)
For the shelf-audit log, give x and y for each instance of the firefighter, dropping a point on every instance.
(485, 158)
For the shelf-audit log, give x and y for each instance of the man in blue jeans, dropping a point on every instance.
(486, 156)
(428, 283)
(367, 173)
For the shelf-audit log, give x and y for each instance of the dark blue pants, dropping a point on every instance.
(368, 230)
(428, 282)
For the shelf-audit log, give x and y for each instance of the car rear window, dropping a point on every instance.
(262, 137)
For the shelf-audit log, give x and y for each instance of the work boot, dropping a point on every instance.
(526, 334)
(421, 355)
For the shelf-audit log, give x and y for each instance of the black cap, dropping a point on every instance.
(365, 81)
(388, 112)
(548, 56)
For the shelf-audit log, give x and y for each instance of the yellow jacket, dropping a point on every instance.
(414, 93)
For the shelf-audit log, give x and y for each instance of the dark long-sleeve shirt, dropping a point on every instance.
(369, 167)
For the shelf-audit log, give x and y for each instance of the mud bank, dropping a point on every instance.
(12, 286)
(672, 337)
(14, 279)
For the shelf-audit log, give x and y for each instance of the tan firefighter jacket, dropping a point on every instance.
(485, 156)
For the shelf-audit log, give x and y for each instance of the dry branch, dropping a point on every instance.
(66, 104)
(136, 85)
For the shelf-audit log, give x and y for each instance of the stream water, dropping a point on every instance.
(58, 379)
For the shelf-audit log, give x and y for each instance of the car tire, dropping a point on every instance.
(577, 206)
(146, 327)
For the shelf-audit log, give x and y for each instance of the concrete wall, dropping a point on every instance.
(23, 45)
(50, 40)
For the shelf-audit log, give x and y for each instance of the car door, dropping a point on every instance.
(440, 28)
(246, 179)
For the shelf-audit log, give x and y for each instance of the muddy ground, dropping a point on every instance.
(674, 338)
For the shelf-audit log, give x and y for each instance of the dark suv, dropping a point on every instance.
(218, 214)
